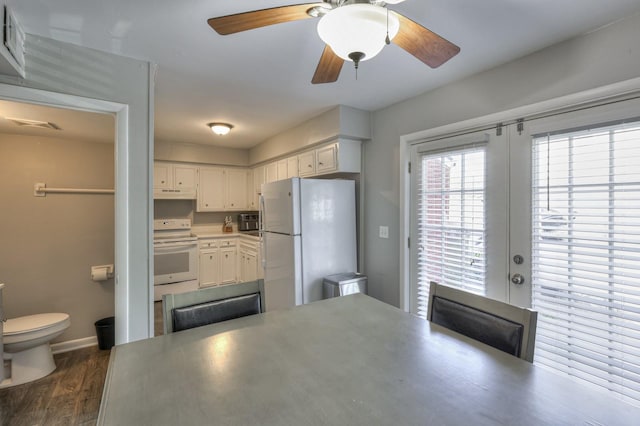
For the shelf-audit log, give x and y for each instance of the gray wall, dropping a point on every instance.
(609, 55)
(49, 243)
(194, 153)
(126, 84)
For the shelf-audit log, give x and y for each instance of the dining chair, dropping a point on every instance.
(191, 309)
(506, 327)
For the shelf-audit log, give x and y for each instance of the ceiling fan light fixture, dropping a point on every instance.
(220, 129)
(357, 28)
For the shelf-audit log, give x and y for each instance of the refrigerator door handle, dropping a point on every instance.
(263, 250)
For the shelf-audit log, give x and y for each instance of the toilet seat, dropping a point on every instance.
(31, 323)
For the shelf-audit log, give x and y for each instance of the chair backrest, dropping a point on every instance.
(209, 305)
(506, 327)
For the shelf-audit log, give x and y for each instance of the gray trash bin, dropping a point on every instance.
(343, 284)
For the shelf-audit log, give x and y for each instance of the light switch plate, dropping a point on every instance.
(384, 232)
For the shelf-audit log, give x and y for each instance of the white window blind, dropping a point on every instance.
(586, 255)
(451, 222)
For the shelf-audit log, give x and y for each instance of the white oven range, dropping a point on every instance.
(175, 257)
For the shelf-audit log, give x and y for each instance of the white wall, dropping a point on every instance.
(607, 56)
(123, 85)
(344, 121)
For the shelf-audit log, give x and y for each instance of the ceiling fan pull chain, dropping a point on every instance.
(387, 40)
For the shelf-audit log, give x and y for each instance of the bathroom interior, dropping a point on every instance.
(51, 240)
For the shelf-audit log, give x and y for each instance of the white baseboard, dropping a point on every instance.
(72, 345)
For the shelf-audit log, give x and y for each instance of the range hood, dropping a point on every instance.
(174, 194)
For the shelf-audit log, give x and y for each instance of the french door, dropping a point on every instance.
(554, 224)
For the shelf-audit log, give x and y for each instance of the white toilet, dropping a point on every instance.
(26, 346)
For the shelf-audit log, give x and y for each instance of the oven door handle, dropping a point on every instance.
(172, 245)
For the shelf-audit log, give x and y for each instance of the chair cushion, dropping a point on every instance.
(215, 311)
(479, 325)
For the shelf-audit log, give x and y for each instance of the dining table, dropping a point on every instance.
(350, 360)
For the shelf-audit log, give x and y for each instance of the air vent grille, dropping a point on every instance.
(22, 122)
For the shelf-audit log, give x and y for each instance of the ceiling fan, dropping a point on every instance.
(353, 30)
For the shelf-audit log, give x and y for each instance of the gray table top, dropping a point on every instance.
(346, 361)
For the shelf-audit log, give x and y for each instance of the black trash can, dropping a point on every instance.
(105, 330)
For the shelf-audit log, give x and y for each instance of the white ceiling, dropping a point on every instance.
(259, 80)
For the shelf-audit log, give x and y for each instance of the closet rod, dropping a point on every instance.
(40, 190)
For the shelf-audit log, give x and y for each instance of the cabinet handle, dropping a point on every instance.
(320, 163)
(161, 181)
(210, 257)
(179, 183)
(309, 165)
(226, 255)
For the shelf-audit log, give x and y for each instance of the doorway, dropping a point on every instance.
(561, 192)
(51, 240)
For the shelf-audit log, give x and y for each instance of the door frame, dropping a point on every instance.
(625, 89)
(122, 144)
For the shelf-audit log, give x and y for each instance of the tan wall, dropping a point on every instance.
(49, 243)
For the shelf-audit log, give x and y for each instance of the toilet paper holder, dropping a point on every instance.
(101, 272)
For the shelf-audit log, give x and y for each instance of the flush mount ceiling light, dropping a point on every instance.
(358, 32)
(220, 128)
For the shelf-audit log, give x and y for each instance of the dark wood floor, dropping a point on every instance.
(69, 396)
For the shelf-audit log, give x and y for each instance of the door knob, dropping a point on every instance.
(517, 279)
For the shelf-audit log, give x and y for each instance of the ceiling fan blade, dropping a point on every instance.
(424, 44)
(329, 67)
(230, 24)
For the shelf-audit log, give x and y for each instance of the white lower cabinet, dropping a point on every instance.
(209, 260)
(249, 265)
(228, 266)
(217, 261)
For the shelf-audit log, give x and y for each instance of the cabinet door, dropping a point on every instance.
(271, 172)
(251, 266)
(162, 174)
(184, 177)
(210, 189)
(228, 266)
(236, 189)
(209, 261)
(326, 159)
(258, 180)
(252, 197)
(282, 169)
(292, 166)
(307, 163)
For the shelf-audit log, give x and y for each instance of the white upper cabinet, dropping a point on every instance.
(258, 180)
(184, 177)
(162, 176)
(307, 163)
(282, 169)
(271, 172)
(292, 167)
(235, 189)
(172, 180)
(327, 159)
(222, 189)
(211, 189)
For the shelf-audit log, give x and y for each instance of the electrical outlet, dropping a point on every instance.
(384, 232)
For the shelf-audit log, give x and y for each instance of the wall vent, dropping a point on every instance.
(23, 122)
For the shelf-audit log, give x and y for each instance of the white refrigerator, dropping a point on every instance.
(308, 232)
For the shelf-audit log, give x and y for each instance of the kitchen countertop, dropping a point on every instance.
(212, 234)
